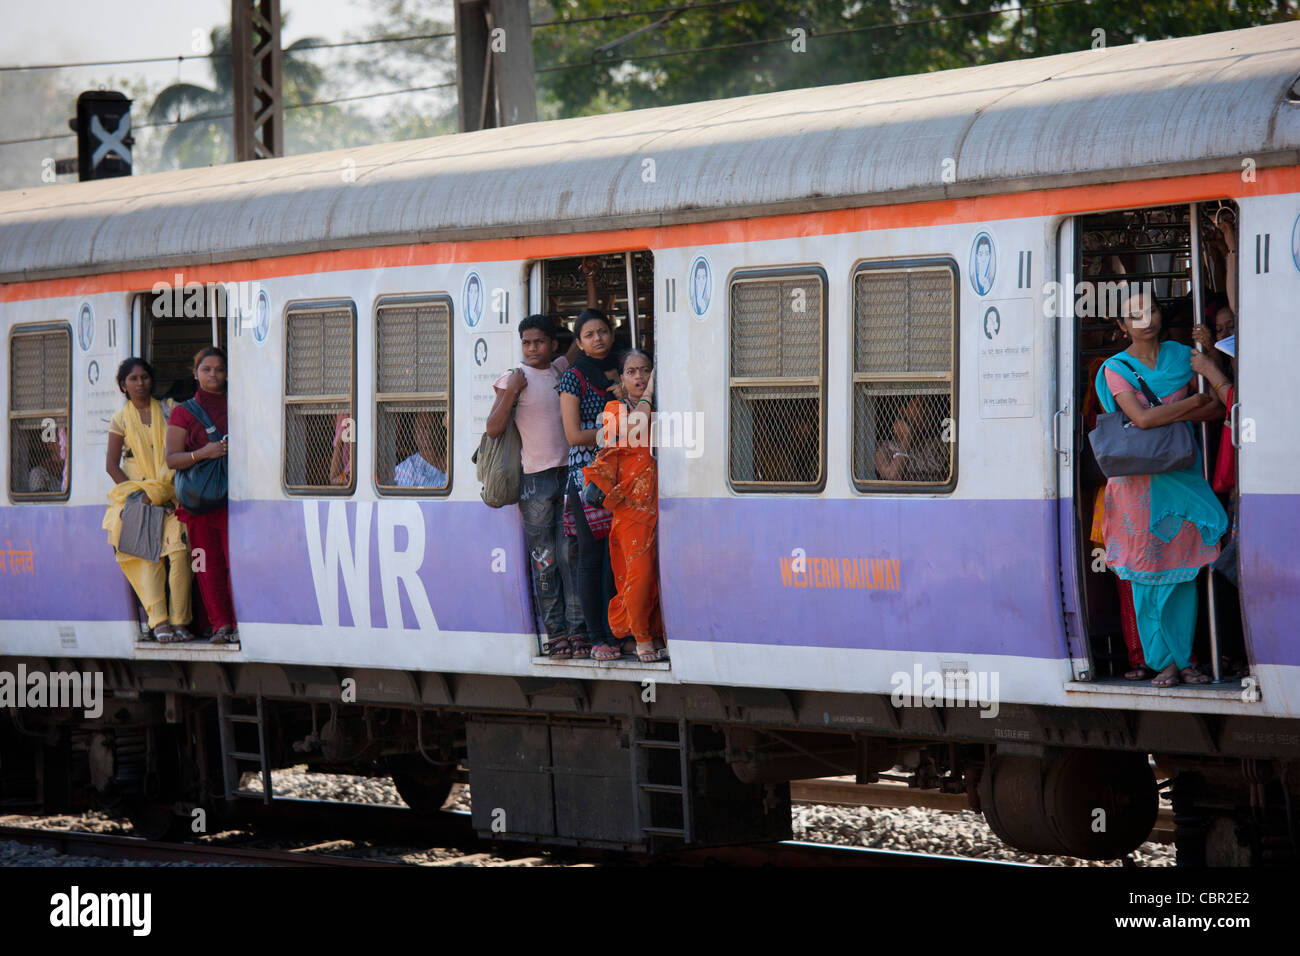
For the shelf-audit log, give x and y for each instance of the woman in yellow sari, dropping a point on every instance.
(137, 431)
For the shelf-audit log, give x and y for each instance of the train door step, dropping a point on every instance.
(230, 720)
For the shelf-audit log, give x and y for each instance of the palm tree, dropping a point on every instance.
(206, 137)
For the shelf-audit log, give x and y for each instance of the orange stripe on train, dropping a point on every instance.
(1043, 202)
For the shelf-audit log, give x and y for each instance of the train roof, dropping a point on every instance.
(1170, 107)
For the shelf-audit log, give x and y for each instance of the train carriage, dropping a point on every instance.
(811, 268)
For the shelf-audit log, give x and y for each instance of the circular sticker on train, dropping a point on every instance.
(473, 299)
(983, 263)
(1295, 243)
(92, 373)
(261, 317)
(701, 286)
(86, 327)
(480, 352)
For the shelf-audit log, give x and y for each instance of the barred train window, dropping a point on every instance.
(412, 440)
(40, 407)
(777, 382)
(904, 432)
(319, 400)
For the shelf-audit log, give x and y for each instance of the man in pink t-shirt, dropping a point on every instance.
(530, 392)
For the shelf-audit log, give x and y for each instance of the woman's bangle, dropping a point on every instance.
(193, 460)
(646, 400)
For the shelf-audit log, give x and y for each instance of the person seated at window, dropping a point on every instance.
(918, 451)
(341, 456)
(787, 440)
(136, 461)
(49, 473)
(427, 467)
(627, 482)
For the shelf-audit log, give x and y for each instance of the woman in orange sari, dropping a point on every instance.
(624, 472)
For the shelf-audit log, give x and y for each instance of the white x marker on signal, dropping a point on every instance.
(110, 142)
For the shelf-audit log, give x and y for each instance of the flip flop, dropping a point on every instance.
(1165, 680)
(1193, 675)
(606, 652)
(1139, 673)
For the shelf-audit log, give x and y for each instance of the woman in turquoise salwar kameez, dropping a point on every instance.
(1160, 529)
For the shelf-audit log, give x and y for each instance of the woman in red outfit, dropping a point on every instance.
(187, 445)
(625, 472)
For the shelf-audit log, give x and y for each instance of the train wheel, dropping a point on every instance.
(154, 821)
(425, 789)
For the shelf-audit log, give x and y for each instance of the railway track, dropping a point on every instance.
(842, 791)
(787, 854)
(381, 830)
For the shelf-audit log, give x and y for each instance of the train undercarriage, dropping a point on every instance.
(640, 768)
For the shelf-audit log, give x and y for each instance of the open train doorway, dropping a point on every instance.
(1185, 257)
(169, 328)
(621, 285)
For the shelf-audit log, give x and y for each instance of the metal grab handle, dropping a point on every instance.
(1056, 429)
(1233, 424)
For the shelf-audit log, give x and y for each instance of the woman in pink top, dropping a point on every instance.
(530, 391)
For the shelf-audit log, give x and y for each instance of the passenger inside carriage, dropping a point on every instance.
(147, 537)
(49, 469)
(917, 449)
(427, 466)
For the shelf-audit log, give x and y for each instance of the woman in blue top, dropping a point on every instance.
(584, 390)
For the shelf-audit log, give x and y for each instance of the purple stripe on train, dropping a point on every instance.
(459, 563)
(945, 576)
(891, 574)
(71, 574)
(974, 577)
(1270, 576)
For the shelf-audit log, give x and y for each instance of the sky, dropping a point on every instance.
(67, 31)
(63, 31)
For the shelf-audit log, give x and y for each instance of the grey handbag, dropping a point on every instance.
(1122, 448)
(142, 527)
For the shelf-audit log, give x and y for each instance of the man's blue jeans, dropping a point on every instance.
(552, 556)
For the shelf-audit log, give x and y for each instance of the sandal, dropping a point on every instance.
(646, 652)
(606, 652)
(1166, 678)
(164, 634)
(559, 649)
(183, 633)
(225, 635)
(581, 647)
(1139, 673)
(1192, 675)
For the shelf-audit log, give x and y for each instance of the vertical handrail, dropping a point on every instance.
(1198, 318)
(631, 299)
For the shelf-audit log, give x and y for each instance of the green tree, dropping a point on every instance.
(754, 46)
(204, 134)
